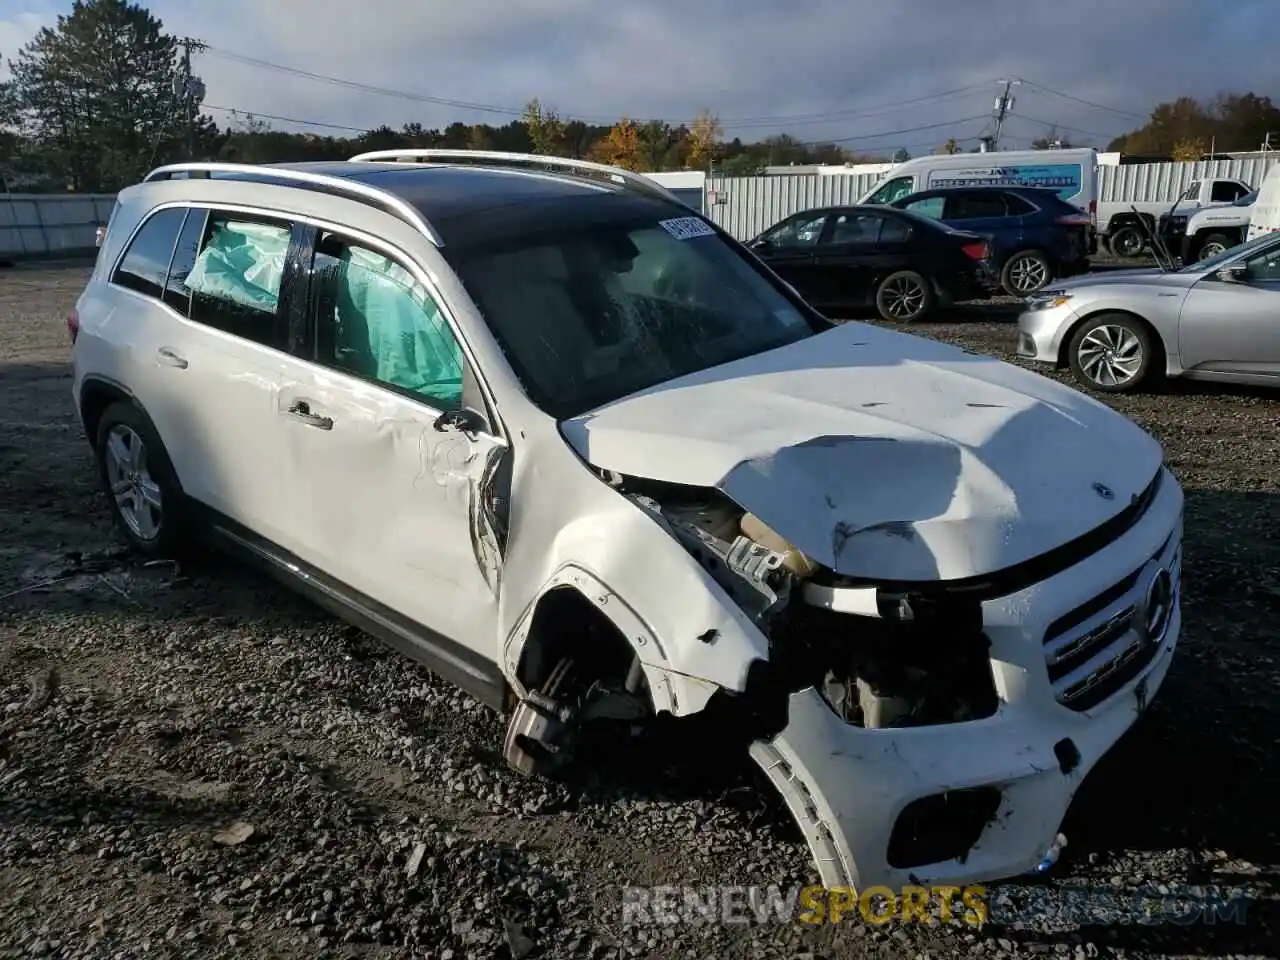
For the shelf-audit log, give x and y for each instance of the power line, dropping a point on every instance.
(1069, 129)
(895, 133)
(883, 109)
(1087, 103)
(237, 111)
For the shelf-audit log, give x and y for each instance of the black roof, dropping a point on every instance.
(467, 202)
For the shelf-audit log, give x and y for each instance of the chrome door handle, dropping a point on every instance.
(170, 358)
(301, 411)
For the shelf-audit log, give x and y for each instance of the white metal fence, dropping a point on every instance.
(33, 225)
(744, 206)
(43, 225)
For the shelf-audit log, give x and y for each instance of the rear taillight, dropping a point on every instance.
(1075, 220)
(976, 251)
(73, 325)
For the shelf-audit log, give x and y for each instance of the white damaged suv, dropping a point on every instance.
(550, 432)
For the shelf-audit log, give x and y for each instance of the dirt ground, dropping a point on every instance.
(194, 763)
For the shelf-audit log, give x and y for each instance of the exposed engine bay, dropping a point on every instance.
(904, 659)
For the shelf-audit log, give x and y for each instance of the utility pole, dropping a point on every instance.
(1001, 108)
(189, 91)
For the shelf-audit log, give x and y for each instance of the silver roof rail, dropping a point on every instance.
(303, 178)
(497, 158)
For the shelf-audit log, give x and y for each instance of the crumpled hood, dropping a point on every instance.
(883, 455)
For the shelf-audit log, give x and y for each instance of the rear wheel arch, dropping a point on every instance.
(97, 395)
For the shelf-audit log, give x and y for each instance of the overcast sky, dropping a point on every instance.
(818, 69)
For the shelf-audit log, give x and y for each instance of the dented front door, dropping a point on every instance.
(381, 499)
(386, 457)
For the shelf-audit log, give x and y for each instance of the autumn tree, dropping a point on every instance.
(1232, 122)
(704, 136)
(950, 147)
(1188, 150)
(546, 129)
(621, 146)
(95, 93)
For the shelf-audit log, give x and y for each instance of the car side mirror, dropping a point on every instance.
(760, 243)
(463, 420)
(1234, 273)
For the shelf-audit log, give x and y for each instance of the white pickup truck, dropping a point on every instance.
(1198, 234)
(1121, 231)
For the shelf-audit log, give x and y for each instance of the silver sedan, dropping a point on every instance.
(1218, 319)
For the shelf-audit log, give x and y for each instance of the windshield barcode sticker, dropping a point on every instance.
(686, 228)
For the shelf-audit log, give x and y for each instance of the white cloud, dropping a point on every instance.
(16, 32)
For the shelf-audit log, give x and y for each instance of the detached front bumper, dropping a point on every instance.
(1066, 695)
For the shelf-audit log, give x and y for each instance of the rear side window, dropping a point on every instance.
(1018, 207)
(1224, 191)
(856, 228)
(895, 231)
(930, 207)
(146, 262)
(176, 292)
(233, 282)
(972, 206)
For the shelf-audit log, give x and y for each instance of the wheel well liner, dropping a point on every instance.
(95, 396)
(1128, 218)
(566, 622)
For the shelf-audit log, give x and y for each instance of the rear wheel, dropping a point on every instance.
(1112, 353)
(136, 473)
(1025, 273)
(904, 296)
(1127, 241)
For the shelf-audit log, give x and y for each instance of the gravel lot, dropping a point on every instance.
(194, 763)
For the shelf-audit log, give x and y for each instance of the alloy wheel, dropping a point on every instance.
(903, 297)
(137, 495)
(1110, 355)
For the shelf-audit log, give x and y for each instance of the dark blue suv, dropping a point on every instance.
(1036, 235)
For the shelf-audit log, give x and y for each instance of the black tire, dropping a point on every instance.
(1128, 337)
(125, 422)
(1025, 273)
(904, 297)
(1214, 244)
(1127, 241)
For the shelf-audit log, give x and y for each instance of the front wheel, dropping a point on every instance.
(1112, 353)
(1026, 273)
(904, 296)
(1215, 244)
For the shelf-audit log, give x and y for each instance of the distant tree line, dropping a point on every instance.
(1187, 129)
(96, 100)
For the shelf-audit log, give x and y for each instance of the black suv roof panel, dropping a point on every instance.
(464, 203)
